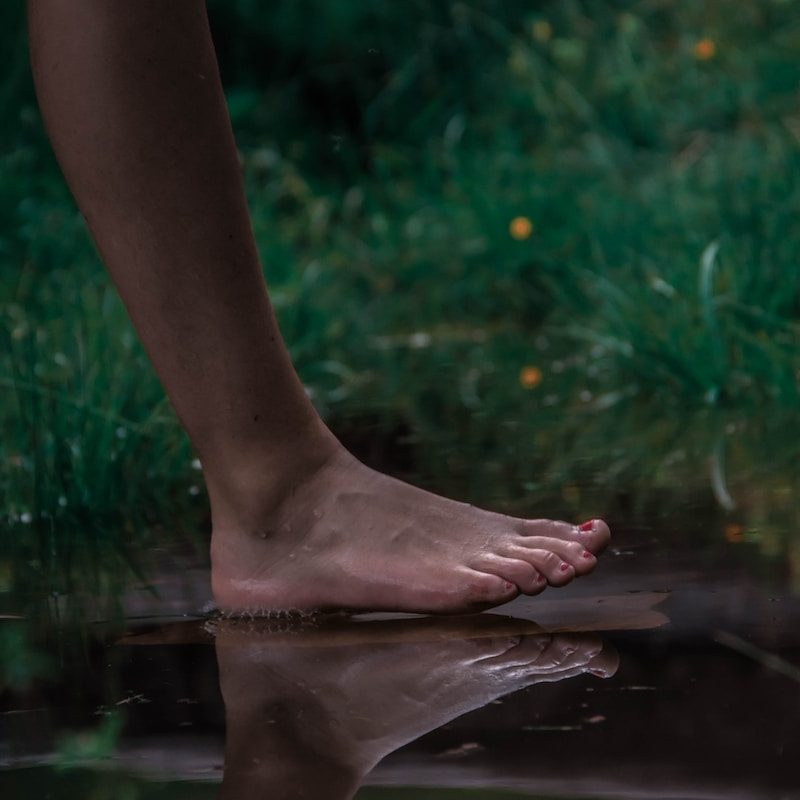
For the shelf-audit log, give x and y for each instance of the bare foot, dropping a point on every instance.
(346, 537)
(306, 719)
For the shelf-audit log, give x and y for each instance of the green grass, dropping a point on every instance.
(387, 147)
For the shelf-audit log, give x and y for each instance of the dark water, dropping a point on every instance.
(673, 672)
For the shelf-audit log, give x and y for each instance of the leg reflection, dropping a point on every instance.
(310, 716)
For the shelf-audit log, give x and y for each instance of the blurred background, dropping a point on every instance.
(541, 256)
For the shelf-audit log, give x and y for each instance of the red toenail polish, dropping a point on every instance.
(587, 526)
(587, 554)
(564, 567)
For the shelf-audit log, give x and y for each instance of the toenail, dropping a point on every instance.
(587, 554)
(587, 527)
(564, 567)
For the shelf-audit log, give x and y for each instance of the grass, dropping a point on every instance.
(641, 319)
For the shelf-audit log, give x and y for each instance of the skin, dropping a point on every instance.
(306, 718)
(132, 101)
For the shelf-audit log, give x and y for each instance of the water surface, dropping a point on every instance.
(674, 671)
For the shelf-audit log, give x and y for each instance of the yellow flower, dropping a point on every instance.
(734, 533)
(530, 377)
(542, 30)
(520, 228)
(704, 49)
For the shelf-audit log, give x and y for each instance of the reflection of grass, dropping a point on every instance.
(531, 242)
(21, 662)
(99, 744)
(100, 784)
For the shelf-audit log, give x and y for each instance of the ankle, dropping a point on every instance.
(249, 485)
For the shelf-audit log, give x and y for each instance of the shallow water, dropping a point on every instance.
(696, 639)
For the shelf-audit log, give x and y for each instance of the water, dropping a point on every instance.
(691, 623)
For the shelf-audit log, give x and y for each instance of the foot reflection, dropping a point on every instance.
(310, 714)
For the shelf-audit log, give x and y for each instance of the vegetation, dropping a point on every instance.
(516, 248)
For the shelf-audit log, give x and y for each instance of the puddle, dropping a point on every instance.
(672, 672)
(665, 675)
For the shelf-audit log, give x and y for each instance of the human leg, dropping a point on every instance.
(133, 104)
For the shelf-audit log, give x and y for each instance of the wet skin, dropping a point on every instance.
(132, 101)
(349, 537)
(310, 718)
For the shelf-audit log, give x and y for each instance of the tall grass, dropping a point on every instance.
(651, 289)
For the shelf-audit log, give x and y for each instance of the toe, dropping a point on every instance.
(594, 534)
(488, 650)
(574, 553)
(568, 651)
(605, 663)
(558, 655)
(555, 569)
(489, 589)
(528, 651)
(517, 570)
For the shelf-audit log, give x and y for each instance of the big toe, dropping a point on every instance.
(594, 534)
